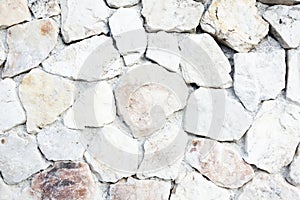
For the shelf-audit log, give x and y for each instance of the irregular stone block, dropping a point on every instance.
(44, 8)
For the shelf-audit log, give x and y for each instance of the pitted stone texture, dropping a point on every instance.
(221, 164)
(29, 44)
(172, 15)
(203, 62)
(285, 23)
(287, 2)
(293, 78)
(121, 3)
(13, 12)
(95, 107)
(81, 19)
(235, 23)
(19, 156)
(269, 187)
(44, 8)
(274, 135)
(66, 180)
(259, 76)
(140, 189)
(44, 98)
(208, 109)
(10, 106)
(294, 170)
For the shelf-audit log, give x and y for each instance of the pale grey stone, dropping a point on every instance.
(44, 8)
(121, 3)
(287, 2)
(293, 78)
(294, 169)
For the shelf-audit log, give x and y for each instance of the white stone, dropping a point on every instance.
(15, 192)
(81, 19)
(235, 23)
(10, 106)
(163, 49)
(294, 169)
(285, 23)
(203, 62)
(40, 37)
(293, 79)
(287, 2)
(222, 164)
(274, 135)
(13, 12)
(91, 60)
(214, 113)
(95, 107)
(19, 156)
(3, 48)
(172, 15)
(259, 76)
(44, 8)
(269, 187)
(44, 98)
(121, 3)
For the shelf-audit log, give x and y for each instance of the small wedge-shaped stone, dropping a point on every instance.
(81, 19)
(44, 8)
(273, 137)
(214, 113)
(172, 15)
(235, 23)
(135, 189)
(95, 107)
(10, 106)
(203, 62)
(13, 12)
(287, 2)
(221, 164)
(285, 23)
(294, 170)
(44, 98)
(259, 76)
(269, 187)
(121, 3)
(19, 156)
(29, 44)
(293, 79)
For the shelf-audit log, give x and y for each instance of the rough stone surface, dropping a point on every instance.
(13, 12)
(121, 3)
(203, 62)
(15, 192)
(294, 172)
(274, 135)
(10, 106)
(235, 23)
(44, 98)
(3, 48)
(287, 2)
(172, 15)
(293, 79)
(222, 165)
(285, 23)
(44, 8)
(81, 19)
(269, 187)
(19, 156)
(40, 36)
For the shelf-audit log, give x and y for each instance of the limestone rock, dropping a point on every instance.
(40, 37)
(203, 62)
(95, 107)
(285, 23)
(293, 79)
(287, 2)
(172, 15)
(13, 12)
(16, 192)
(10, 106)
(235, 23)
(3, 48)
(140, 189)
(221, 164)
(269, 187)
(44, 98)
(259, 76)
(19, 156)
(274, 135)
(214, 113)
(294, 172)
(121, 3)
(91, 60)
(81, 19)
(44, 8)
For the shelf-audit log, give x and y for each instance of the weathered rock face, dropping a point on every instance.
(3, 48)
(172, 15)
(293, 79)
(121, 3)
(273, 136)
(203, 62)
(13, 12)
(81, 19)
(294, 173)
(40, 37)
(235, 23)
(19, 156)
(222, 165)
(10, 106)
(44, 8)
(15, 192)
(269, 187)
(287, 2)
(285, 23)
(140, 189)
(44, 98)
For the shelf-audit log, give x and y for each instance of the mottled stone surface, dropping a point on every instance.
(293, 78)
(44, 8)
